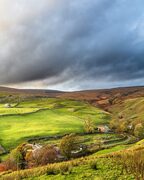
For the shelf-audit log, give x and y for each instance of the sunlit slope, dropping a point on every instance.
(130, 110)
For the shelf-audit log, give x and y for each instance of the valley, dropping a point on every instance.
(106, 123)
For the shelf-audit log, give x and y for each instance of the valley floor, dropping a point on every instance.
(36, 120)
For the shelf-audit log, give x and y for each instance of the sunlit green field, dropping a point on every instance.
(55, 117)
(35, 118)
(12, 111)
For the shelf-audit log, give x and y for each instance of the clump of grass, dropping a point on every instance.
(52, 171)
(65, 168)
(132, 162)
(93, 165)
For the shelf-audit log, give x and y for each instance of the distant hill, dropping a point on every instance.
(103, 97)
(106, 97)
(28, 92)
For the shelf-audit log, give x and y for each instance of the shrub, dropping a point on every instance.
(139, 130)
(43, 156)
(89, 126)
(14, 161)
(68, 144)
(114, 124)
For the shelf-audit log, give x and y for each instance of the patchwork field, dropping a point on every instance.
(44, 121)
(54, 117)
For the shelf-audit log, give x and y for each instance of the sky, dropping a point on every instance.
(71, 44)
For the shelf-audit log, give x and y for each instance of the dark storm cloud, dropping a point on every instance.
(71, 40)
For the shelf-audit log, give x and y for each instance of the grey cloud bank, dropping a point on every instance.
(77, 43)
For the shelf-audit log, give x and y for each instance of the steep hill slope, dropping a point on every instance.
(107, 97)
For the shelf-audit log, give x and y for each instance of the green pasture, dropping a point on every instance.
(55, 117)
(12, 111)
